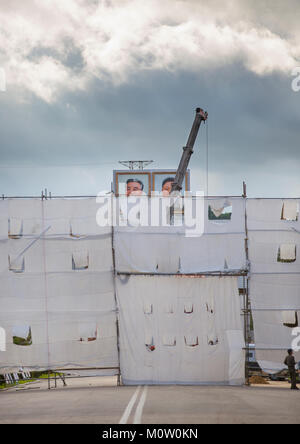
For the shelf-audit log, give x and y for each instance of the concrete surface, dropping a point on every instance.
(100, 401)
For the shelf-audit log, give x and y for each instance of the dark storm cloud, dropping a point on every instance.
(123, 82)
(69, 55)
(252, 123)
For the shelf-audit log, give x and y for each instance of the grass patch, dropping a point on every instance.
(35, 377)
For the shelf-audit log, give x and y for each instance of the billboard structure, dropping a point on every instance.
(145, 182)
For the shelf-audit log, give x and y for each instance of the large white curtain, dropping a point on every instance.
(221, 247)
(57, 281)
(180, 330)
(274, 230)
(64, 288)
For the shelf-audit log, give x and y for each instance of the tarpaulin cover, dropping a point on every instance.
(221, 247)
(274, 248)
(57, 294)
(180, 330)
(56, 280)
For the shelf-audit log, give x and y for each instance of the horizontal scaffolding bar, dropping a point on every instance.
(57, 370)
(82, 369)
(270, 349)
(48, 197)
(273, 198)
(275, 273)
(257, 230)
(275, 309)
(204, 273)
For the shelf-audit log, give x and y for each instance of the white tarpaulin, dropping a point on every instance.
(290, 210)
(272, 361)
(149, 250)
(271, 331)
(57, 296)
(181, 330)
(274, 247)
(275, 291)
(221, 247)
(57, 290)
(267, 214)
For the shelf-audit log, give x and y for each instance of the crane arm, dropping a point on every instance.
(188, 151)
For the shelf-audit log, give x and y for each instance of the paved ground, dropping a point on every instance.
(100, 401)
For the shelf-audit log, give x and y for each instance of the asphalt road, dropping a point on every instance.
(91, 403)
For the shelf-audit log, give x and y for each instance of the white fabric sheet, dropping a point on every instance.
(180, 352)
(15, 227)
(290, 318)
(274, 232)
(264, 247)
(266, 214)
(150, 251)
(288, 252)
(172, 250)
(275, 291)
(270, 331)
(41, 289)
(290, 210)
(272, 361)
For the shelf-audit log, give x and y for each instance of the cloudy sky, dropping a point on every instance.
(91, 82)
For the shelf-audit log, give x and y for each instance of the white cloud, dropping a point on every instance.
(120, 38)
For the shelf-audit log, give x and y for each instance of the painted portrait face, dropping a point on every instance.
(134, 188)
(167, 188)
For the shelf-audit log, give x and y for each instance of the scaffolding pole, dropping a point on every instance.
(115, 292)
(247, 308)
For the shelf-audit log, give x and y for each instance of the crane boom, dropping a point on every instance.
(188, 151)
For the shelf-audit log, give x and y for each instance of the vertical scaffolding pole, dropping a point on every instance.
(246, 294)
(115, 288)
(248, 333)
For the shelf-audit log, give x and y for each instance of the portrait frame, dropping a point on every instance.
(121, 177)
(159, 176)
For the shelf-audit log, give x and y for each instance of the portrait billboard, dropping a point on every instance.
(132, 183)
(144, 182)
(162, 181)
